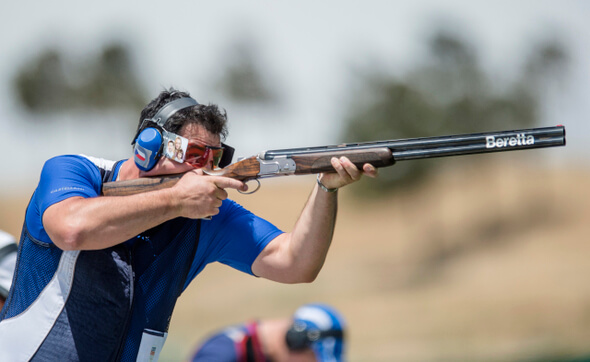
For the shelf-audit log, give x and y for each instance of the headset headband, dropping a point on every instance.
(172, 107)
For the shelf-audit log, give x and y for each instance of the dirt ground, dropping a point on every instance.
(480, 264)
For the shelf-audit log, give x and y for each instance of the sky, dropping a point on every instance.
(307, 48)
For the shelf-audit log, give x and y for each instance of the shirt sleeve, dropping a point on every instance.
(62, 177)
(234, 237)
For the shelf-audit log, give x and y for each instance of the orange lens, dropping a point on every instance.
(198, 154)
(216, 155)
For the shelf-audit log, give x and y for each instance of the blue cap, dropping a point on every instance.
(328, 325)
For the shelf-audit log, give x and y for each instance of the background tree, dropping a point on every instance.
(243, 78)
(448, 94)
(53, 82)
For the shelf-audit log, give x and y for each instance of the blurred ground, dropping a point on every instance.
(484, 263)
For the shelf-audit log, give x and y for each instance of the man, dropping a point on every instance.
(8, 250)
(316, 332)
(99, 276)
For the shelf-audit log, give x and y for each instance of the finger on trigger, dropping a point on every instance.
(226, 182)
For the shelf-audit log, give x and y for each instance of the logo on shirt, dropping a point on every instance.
(69, 188)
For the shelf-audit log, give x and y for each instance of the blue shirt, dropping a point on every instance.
(114, 303)
(234, 237)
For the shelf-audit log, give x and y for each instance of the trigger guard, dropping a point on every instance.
(253, 191)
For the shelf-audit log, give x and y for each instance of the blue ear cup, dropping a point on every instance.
(148, 144)
(147, 148)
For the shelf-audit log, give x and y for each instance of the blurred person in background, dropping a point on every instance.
(99, 276)
(315, 332)
(8, 249)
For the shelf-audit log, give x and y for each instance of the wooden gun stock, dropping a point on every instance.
(138, 185)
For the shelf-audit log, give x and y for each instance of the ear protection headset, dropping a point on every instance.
(149, 142)
(301, 335)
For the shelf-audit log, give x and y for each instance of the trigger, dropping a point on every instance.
(253, 191)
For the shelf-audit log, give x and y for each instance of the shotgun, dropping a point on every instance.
(311, 160)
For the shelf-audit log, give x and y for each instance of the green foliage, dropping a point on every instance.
(243, 80)
(50, 83)
(449, 94)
